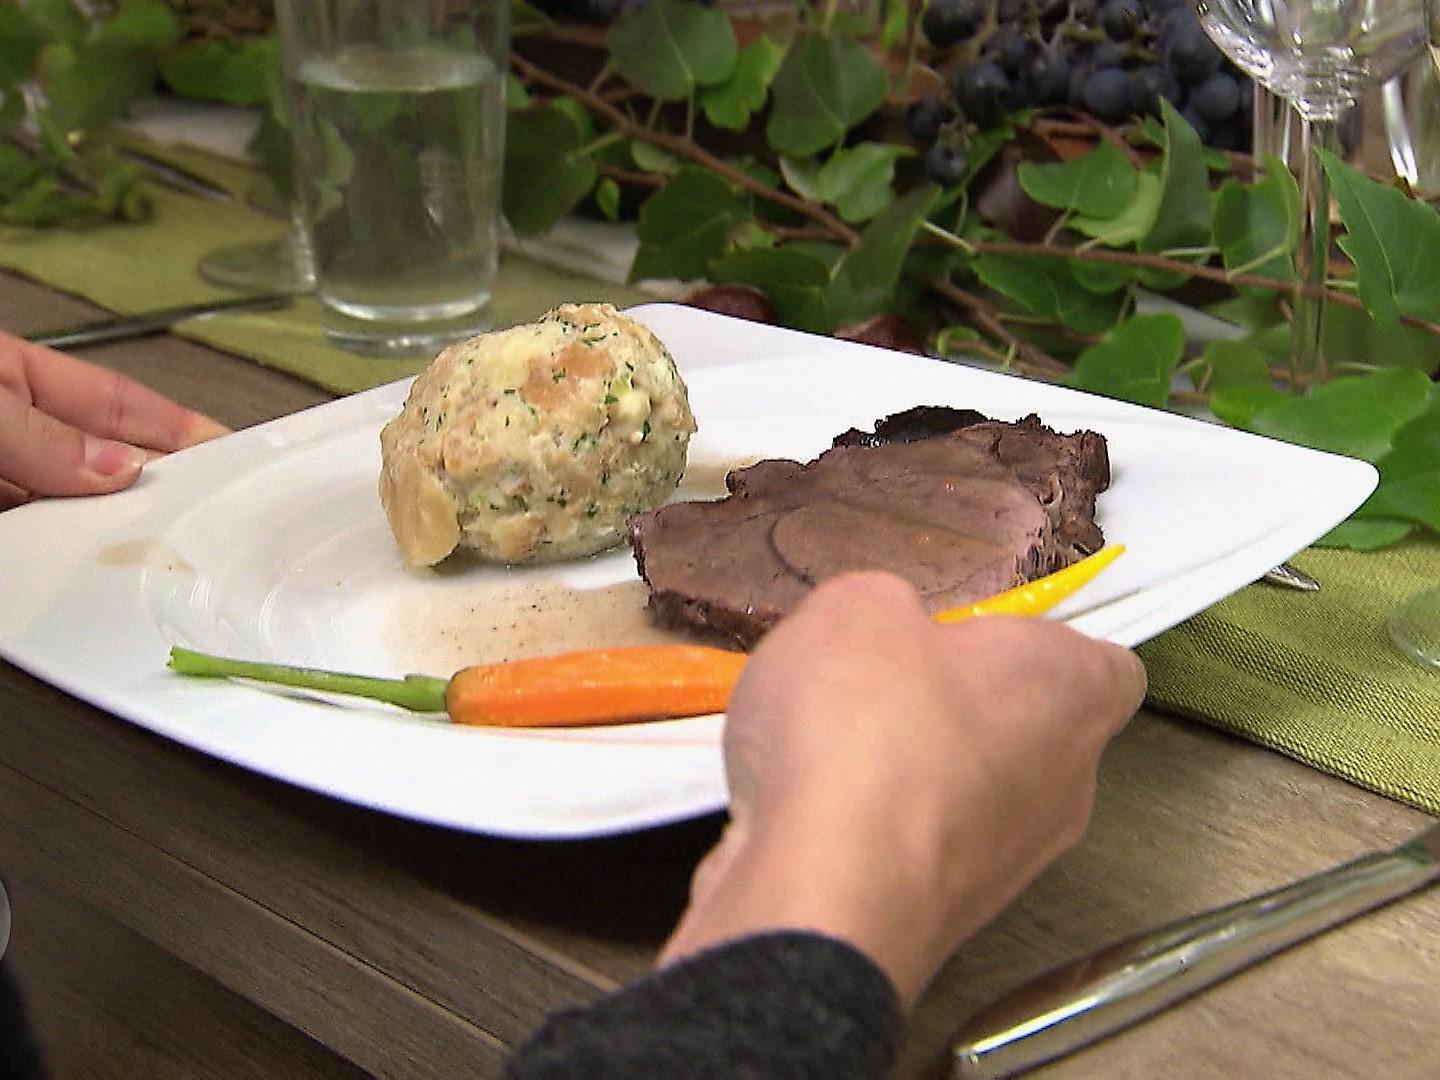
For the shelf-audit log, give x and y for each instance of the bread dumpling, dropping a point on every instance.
(535, 443)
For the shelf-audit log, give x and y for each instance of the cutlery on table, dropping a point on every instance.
(1081, 1002)
(122, 327)
(1291, 578)
(174, 176)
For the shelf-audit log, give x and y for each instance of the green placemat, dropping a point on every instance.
(131, 268)
(1314, 675)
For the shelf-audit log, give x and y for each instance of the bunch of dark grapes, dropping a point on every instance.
(593, 12)
(1115, 59)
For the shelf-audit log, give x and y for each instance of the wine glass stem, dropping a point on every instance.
(1307, 363)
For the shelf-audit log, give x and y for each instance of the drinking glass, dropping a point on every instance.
(397, 123)
(1411, 103)
(1320, 55)
(284, 264)
(1415, 624)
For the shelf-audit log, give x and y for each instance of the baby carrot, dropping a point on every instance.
(595, 686)
(592, 686)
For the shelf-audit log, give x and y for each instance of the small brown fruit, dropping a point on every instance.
(885, 331)
(741, 301)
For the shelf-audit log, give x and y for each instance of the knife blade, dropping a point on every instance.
(172, 175)
(1291, 577)
(122, 327)
(1083, 1001)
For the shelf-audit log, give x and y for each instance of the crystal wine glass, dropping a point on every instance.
(1415, 624)
(1320, 55)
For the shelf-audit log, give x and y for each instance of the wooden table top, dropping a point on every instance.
(176, 916)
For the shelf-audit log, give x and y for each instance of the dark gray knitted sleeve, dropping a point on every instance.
(793, 1005)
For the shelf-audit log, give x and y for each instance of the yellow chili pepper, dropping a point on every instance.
(1040, 595)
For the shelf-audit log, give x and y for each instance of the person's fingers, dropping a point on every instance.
(11, 496)
(1034, 657)
(1129, 674)
(42, 456)
(106, 403)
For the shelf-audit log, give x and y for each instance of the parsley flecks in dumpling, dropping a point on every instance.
(535, 443)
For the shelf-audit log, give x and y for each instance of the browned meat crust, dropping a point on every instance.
(959, 505)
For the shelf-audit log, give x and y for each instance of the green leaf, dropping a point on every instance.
(1099, 184)
(233, 71)
(17, 169)
(58, 20)
(89, 81)
(1366, 534)
(1236, 376)
(607, 198)
(650, 158)
(750, 235)
(1101, 277)
(1257, 226)
(668, 48)
(1353, 337)
(1410, 473)
(1136, 221)
(578, 114)
(685, 225)
(545, 175)
(20, 40)
(137, 25)
(895, 23)
(1357, 415)
(731, 104)
(1046, 286)
(43, 202)
(794, 282)
(56, 144)
(1394, 242)
(12, 111)
(856, 180)
(957, 341)
(1237, 405)
(1135, 362)
(113, 183)
(825, 86)
(87, 88)
(802, 176)
(516, 96)
(1231, 365)
(1183, 217)
(864, 279)
(1251, 310)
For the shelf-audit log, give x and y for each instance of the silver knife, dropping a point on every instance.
(1291, 577)
(121, 327)
(1081, 1002)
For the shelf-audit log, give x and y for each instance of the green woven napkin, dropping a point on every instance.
(1314, 675)
(132, 268)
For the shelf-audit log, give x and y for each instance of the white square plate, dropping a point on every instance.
(270, 544)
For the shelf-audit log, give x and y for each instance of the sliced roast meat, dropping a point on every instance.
(973, 507)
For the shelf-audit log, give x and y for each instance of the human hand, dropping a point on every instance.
(895, 783)
(72, 428)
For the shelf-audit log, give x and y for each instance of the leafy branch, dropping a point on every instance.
(777, 167)
(679, 145)
(67, 70)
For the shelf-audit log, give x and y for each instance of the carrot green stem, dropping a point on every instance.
(419, 693)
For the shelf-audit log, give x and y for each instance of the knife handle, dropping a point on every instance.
(1083, 1001)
